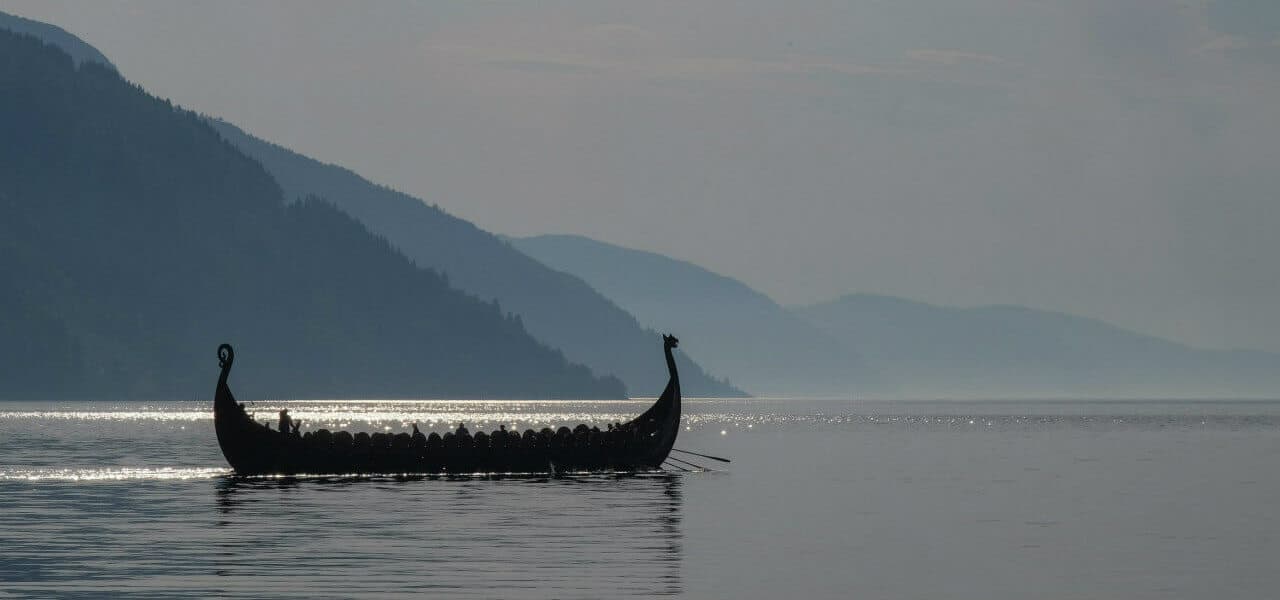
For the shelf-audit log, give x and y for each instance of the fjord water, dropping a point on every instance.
(824, 499)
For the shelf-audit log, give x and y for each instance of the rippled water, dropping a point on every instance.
(824, 499)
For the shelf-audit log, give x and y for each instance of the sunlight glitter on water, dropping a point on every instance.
(113, 474)
(101, 415)
(713, 414)
(387, 415)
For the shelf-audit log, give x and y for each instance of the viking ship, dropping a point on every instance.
(252, 448)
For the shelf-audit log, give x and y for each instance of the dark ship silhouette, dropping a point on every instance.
(641, 444)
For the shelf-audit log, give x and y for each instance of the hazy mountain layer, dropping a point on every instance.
(1010, 351)
(134, 239)
(77, 48)
(738, 331)
(556, 308)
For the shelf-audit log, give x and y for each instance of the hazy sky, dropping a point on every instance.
(1111, 158)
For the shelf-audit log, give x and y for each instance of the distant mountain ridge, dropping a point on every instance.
(80, 51)
(557, 308)
(893, 347)
(554, 307)
(748, 337)
(1015, 351)
(134, 239)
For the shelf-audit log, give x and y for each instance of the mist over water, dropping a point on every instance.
(1106, 499)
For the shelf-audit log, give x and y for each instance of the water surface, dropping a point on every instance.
(1098, 499)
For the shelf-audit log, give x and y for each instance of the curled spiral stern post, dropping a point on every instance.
(226, 356)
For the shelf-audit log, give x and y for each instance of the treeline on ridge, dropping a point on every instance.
(133, 240)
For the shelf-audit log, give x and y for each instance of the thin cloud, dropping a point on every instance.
(664, 67)
(952, 57)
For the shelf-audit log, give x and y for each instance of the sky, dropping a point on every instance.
(1108, 158)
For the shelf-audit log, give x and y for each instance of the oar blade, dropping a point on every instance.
(702, 455)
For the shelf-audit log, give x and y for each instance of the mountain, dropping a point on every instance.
(134, 239)
(80, 51)
(747, 336)
(1012, 351)
(559, 309)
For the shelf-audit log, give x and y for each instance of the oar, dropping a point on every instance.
(694, 465)
(676, 466)
(702, 455)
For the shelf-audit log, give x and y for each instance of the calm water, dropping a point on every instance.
(823, 500)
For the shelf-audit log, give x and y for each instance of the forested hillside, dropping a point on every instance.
(557, 308)
(76, 47)
(134, 239)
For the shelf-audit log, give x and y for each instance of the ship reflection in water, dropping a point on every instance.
(587, 536)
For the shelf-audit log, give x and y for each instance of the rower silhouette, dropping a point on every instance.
(286, 424)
